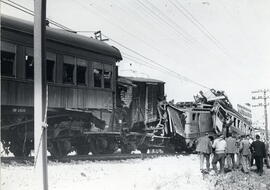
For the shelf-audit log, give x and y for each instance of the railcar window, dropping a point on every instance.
(8, 52)
(193, 116)
(50, 70)
(50, 64)
(68, 73)
(107, 76)
(68, 69)
(97, 77)
(29, 64)
(81, 71)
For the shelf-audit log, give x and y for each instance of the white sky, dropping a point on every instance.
(236, 59)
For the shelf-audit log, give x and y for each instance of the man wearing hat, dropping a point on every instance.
(258, 148)
(231, 151)
(220, 147)
(204, 148)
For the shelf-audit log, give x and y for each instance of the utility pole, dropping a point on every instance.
(263, 97)
(40, 135)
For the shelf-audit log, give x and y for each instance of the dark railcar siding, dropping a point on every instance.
(18, 91)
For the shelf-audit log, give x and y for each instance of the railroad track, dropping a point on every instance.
(107, 157)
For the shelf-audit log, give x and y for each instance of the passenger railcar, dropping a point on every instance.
(81, 80)
(212, 117)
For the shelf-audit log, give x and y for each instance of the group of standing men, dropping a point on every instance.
(238, 153)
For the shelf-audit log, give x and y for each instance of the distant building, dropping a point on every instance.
(261, 132)
(245, 111)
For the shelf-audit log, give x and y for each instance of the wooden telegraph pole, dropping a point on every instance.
(41, 172)
(264, 104)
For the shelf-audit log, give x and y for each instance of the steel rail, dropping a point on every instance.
(100, 157)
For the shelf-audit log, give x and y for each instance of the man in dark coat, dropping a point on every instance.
(258, 149)
(204, 148)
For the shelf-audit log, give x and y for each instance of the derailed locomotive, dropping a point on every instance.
(90, 107)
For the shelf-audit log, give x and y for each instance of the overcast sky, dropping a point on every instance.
(221, 44)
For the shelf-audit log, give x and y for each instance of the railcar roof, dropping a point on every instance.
(140, 79)
(62, 36)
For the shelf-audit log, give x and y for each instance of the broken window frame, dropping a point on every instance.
(29, 63)
(97, 67)
(107, 82)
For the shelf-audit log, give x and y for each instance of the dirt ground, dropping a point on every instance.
(237, 180)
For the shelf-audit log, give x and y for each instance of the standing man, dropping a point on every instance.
(231, 151)
(238, 155)
(245, 154)
(258, 149)
(267, 149)
(204, 147)
(220, 147)
(251, 157)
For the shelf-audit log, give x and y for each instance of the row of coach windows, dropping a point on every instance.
(75, 70)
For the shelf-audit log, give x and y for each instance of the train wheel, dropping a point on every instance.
(126, 149)
(59, 148)
(98, 145)
(169, 149)
(102, 145)
(19, 150)
(112, 146)
(82, 150)
(143, 150)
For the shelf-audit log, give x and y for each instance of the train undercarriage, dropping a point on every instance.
(82, 132)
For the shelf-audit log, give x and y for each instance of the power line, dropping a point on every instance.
(200, 27)
(24, 9)
(172, 26)
(140, 18)
(119, 26)
(156, 63)
(30, 12)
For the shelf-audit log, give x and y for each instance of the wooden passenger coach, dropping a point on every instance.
(80, 70)
(81, 76)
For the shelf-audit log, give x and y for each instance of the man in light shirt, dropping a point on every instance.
(220, 147)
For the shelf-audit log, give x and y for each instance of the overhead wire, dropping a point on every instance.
(118, 26)
(30, 12)
(184, 11)
(142, 17)
(170, 25)
(133, 51)
(197, 24)
(157, 64)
